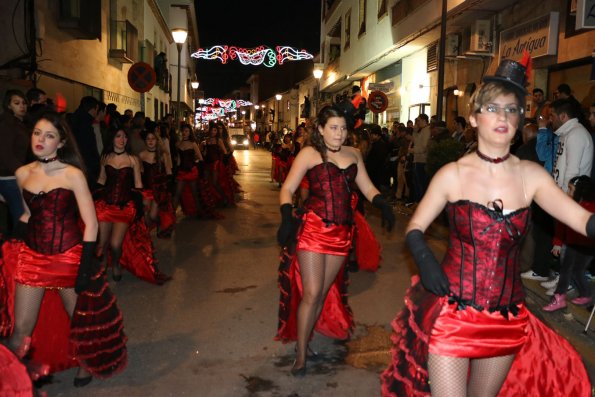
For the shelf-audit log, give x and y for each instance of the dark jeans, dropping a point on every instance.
(543, 231)
(11, 193)
(575, 262)
(420, 181)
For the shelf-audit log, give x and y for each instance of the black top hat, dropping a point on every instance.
(510, 73)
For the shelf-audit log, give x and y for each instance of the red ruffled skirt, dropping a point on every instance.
(114, 213)
(336, 318)
(48, 271)
(166, 215)
(14, 378)
(93, 339)
(544, 365)
(207, 194)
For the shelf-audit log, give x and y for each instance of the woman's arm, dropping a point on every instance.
(301, 165)
(102, 176)
(362, 179)
(197, 152)
(85, 203)
(555, 202)
(138, 182)
(222, 145)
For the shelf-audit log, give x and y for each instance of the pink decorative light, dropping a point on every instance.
(260, 55)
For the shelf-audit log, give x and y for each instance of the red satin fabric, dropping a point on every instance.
(48, 271)
(148, 195)
(14, 379)
(114, 213)
(367, 247)
(477, 334)
(316, 236)
(188, 176)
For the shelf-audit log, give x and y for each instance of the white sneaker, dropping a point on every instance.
(551, 291)
(531, 275)
(551, 283)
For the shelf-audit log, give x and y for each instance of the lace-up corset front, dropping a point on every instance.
(330, 195)
(118, 185)
(187, 159)
(53, 225)
(213, 152)
(152, 174)
(482, 259)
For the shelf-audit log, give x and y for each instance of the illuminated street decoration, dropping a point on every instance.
(260, 55)
(226, 103)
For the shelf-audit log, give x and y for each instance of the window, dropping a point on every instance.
(382, 8)
(347, 28)
(81, 17)
(362, 17)
(123, 41)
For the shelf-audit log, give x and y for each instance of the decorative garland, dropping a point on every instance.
(260, 55)
(226, 103)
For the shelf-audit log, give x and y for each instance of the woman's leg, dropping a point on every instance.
(105, 232)
(583, 258)
(27, 302)
(69, 298)
(448, 375)
(117, 238)
(566, 269)
(488, 375)
(194, 191)
(153, 212)
(318, 271)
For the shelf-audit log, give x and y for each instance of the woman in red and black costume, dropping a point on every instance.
(465, 329)
(313, 292)
(55, 269)
(216, 172)
(156, 172)
(119, 210)
(231, 165)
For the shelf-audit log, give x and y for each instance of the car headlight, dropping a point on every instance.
(234, 142)
(246, 142)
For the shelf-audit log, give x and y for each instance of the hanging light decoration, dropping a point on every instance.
(260, 55)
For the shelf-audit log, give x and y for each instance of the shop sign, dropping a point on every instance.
(585, 14)
(377, 101)
(384, 87)
(538, 36)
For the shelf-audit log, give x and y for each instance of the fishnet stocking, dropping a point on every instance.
(450, 376)
(27, 302)
(180, 188)
(488, 374)
(318, 272)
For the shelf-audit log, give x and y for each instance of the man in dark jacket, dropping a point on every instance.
(81, 124)
(376, 161)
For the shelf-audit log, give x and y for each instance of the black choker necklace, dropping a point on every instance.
(151, 151)
(333, 150)
(119, 153)
(45, 161)
(496, 160)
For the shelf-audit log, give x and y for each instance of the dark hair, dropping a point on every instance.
(316, 139)
(565, 106)
(424, 117)
(163, 130)
(101, 107)
(461, 120)
(158, 152)
(191, 136)
(123, 119)
(536, 90)
(33, 94)
(109, 146)
(564, 89)
(584, 188)
(8, 96)
(88, 102)
(111, 107)
(69, 152)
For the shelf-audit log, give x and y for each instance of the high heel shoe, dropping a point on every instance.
(82, 382)
(117, 275)
(298, 372)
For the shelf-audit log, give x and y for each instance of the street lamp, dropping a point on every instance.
(278, 98)
(318, 72)
(194, 85)
(180, 36)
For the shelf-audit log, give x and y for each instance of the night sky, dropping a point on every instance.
(250, 23)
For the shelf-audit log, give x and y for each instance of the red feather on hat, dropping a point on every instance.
(527, 62)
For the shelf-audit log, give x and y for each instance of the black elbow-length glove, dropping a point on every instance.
(432, 276)
(388, 218)
(87, 268)
(286, 229)
(591, 227)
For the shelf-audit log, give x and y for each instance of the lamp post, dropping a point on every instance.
(180, 36)
(194, 84)
(278, 98)
(318, 72)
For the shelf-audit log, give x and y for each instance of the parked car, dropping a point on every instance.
(240, 142)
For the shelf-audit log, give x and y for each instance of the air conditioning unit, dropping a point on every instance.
(477, 39)
(452, 45)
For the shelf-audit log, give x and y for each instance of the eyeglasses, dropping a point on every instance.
(509, 110)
